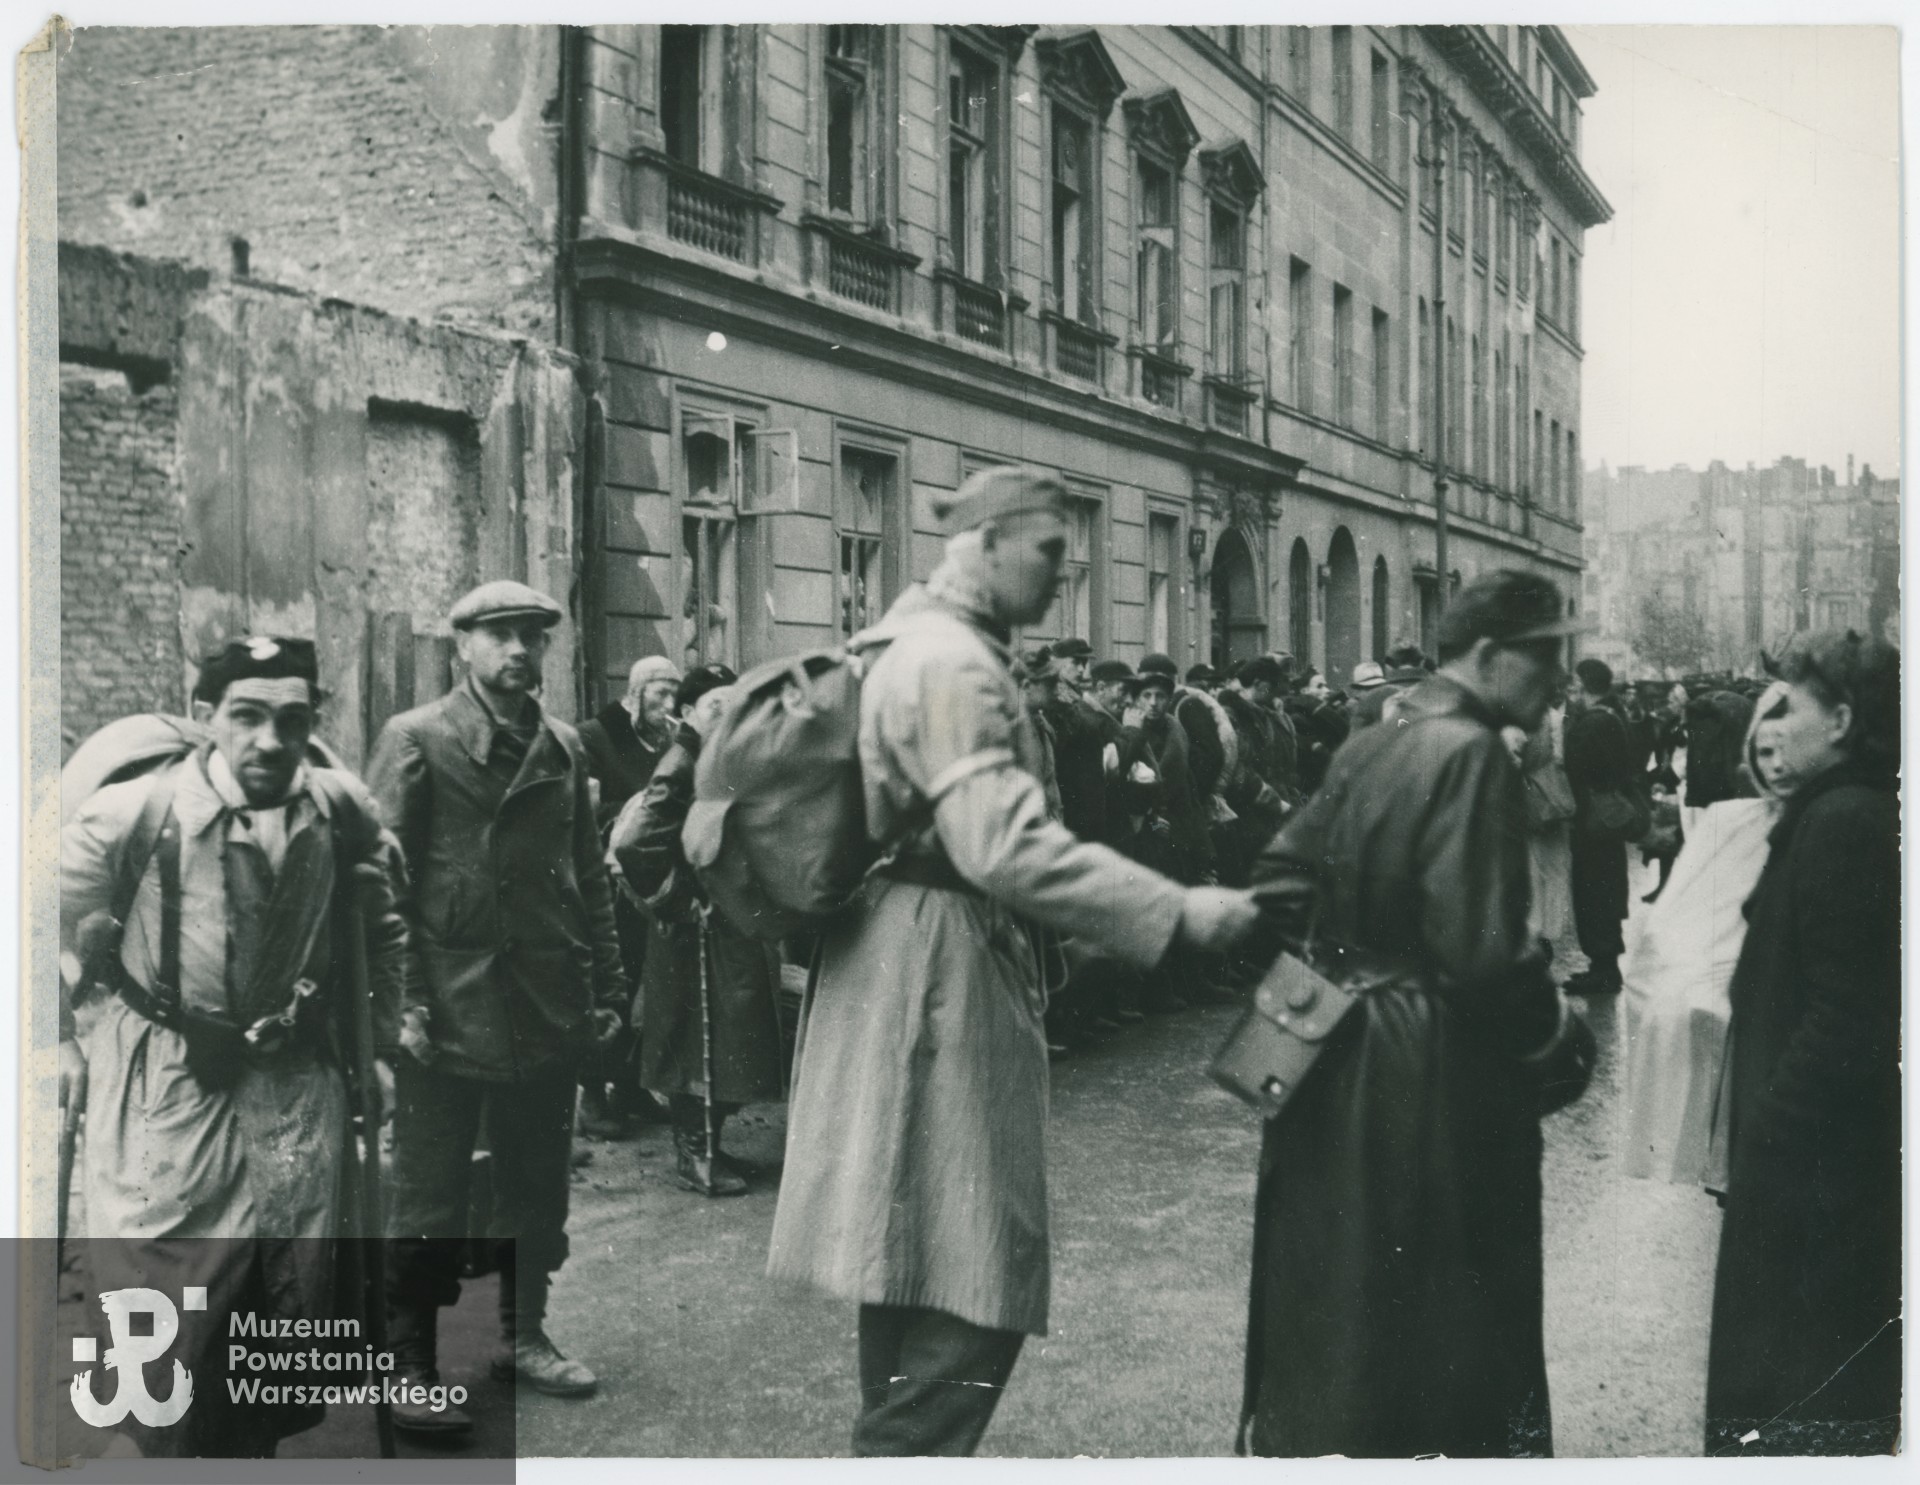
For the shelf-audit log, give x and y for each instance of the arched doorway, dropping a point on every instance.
(1300, 602)
(1343, 608)
(1382, 609)
(1239, 631)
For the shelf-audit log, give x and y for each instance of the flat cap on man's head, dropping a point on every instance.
(505, 601)
(1202, 674)
(1000, 491)
(1155, 663)
(1072, 649)
(256, 657)
(1508, 607)
(1367, 675)
(1107, 671)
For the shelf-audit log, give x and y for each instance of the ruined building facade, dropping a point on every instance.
(1692, 570)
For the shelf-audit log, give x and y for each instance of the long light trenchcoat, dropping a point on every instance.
(916, 1144)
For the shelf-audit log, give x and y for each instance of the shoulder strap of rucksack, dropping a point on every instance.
(154, 839)
(141, 843)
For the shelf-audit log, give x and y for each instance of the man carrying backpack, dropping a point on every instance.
(514, 977)
(915, 1179)
(202, 909)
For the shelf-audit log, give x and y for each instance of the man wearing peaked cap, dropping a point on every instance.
(505, 602)
(515, 978)
(1416, 849)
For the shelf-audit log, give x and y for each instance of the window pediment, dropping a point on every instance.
(1158, 121)
(1230, 171)
(1077, 64)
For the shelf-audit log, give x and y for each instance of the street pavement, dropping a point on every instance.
(1152, 1176)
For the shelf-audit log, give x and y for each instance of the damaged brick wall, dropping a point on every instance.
(238, 458)
(407, 168)
(120, 512)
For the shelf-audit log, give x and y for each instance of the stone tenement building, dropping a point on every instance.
(1704, 571)
(806, 277)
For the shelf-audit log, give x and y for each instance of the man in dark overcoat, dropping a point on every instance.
(1599, 757)
(1396, 1305)
(513, 977)
(1079, 732)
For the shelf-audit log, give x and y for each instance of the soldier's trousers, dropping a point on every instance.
(436, 1124)
(929, 1381)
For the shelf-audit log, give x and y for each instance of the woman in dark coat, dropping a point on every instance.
(742, 973)
(1806, 1304)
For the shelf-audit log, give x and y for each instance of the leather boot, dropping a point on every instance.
(697, 1173)
(526, 1355)
(413, 1334)
(599, 1118)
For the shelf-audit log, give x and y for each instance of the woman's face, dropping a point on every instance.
(1804, 739)
(1766, 759)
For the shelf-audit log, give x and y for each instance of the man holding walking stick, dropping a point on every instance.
(206, 990)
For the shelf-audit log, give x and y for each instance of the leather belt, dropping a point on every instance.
(927, 871)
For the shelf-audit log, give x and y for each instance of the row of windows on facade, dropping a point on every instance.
(1518, 44)
(1502, 228)
(736, 471)
(1498, 222)
(1487, 437)
(976, 112)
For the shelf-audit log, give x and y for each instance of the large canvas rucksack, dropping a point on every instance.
(777, 831)
(129, 748)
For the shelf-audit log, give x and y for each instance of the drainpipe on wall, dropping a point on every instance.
(571, 181)
(1442, 583)
(570, 178)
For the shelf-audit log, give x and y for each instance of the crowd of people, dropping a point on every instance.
(1071, 843)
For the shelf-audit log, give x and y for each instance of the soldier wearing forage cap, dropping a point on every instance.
(203, 898)
(513, 976)
(915, 1181)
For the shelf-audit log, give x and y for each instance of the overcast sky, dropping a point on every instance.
(1744, 302)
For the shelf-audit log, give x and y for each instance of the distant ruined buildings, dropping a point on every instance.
(1691, 571)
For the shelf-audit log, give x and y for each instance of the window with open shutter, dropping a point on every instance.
(1159, 306)
(1226, 291)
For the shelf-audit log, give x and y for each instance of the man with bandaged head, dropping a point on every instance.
(915, 1181)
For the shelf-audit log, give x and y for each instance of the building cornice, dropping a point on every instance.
(612, 263)
(1472, 54)
(1561, 53)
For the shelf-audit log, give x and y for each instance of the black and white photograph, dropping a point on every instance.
(776, 740)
